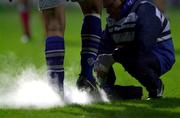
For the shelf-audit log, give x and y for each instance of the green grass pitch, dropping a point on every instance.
(33, 53)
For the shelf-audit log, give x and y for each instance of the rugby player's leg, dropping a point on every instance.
(91, 35)
(24, 13)
(54, 19)
(161, 4)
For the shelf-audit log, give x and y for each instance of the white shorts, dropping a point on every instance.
(47, 4)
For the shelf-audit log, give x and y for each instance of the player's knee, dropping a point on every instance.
(92, 10)
(91, 7)
(54, 28)
(24, 1)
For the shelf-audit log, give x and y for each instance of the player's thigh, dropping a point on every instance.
(161, 4)
(47, 4)
(54, 19)
(141, 66)
(91, 6)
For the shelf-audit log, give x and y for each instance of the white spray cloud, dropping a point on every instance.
(30, 89)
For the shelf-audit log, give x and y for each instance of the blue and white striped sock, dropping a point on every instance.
(55, 60)
(91, 36)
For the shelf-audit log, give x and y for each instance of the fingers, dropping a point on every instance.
(101, 78)
(100, 69)
(104, 62)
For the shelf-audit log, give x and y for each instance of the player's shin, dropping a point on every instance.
(91, 36)
(55, 61)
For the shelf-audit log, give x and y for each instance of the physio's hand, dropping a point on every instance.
(102, 66)
(103, 63)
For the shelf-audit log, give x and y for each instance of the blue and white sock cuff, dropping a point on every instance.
(93, 14)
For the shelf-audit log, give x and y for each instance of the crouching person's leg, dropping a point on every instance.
(106, 81)
(147, 71)
(119, 92)
(106, 78)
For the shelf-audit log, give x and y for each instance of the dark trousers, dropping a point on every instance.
(146, 69)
